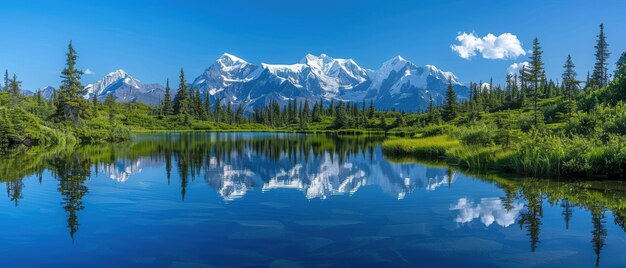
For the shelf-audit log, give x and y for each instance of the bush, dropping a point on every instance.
(477, 135)
(430, 147)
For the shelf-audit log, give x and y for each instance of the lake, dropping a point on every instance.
(292, 200)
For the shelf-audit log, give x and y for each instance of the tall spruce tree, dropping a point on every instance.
(70, 104)
(570, 83)
(449, 107)
(434, 117)
(341, 117)
(6, 80)
(621, 62)
(181, 100)
(207, 105)
(536, 75)
(94, 104)
(600, 75)
(371, 110)
(15, 89)
(109, 102)
(168, 106)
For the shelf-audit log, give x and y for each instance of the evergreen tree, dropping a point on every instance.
(371, 111)
(341, 118)
(94, 104)
(198, 108)
(6, 80)
(535, 75)
(15, 89)
(620, 63)
(317, 112)
(570, 83)
(434, 117)
(181, 100)
(306, 113)
(449, 107)
(229, 113)
(168, 106)
(109, 102)
(70, 104)
(207, 105)
(217, 110)
(39, 99)
(600, 76)
(239, 115)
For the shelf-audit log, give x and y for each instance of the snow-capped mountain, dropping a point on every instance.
(397, 84)
(405, 86)
(125, 88)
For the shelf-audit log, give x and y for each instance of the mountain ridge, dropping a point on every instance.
(397, 84)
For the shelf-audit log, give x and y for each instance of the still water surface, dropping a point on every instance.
(287, 200)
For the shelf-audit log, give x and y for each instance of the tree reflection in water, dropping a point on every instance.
(318, 165)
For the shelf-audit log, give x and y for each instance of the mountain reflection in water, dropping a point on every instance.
(241, 168)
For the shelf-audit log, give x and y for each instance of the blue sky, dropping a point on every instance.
(152, 40)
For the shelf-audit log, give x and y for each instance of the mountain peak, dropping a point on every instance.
(321, 59)
(395, 61)
(118, 73)
(229, 60)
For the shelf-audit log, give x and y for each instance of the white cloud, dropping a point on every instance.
(489, 210)
(516, 67)
(88, 71)
(504, 46)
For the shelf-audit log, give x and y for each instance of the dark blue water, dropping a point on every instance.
(280, 200)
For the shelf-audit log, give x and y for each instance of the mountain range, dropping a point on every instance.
(398, 84)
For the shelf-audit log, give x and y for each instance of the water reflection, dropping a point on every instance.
(489, 210)
(317, 166)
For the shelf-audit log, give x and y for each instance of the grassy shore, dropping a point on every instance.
(542, 156)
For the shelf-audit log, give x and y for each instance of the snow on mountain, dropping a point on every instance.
(398, 84)
(227, 70)
(335, 73)
(125, 88)
(401, 85)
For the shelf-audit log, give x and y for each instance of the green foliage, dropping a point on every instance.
(430, 147)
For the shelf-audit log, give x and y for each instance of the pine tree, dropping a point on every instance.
(168, 106)
(570, 83)
(341, 118)
(306, 113)
(6, 80)
(621, 62)
(181, 100)
(70, 104)
(239, 115)
(536, 75)
(198, 109)
(39, 99)
(207, 105)
(15, 89)
(217, 110)
(372, 110)
(600, 76)
(434, 117)
(94, 103)
(229, 113)
(449, 107)
(109, 102)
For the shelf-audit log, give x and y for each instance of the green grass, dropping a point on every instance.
(429, 147)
